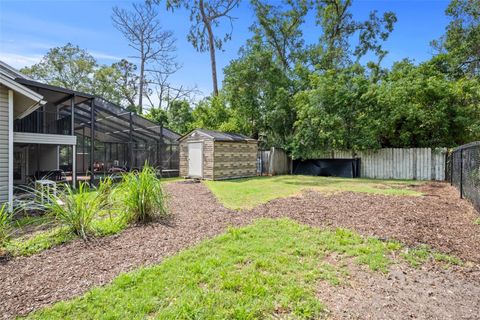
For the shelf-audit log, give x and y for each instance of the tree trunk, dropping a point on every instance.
(140, 95)
(212, 59)
(211, 47)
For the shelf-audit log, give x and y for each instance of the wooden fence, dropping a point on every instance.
(273, 162)
(397, 163)
(387, 163)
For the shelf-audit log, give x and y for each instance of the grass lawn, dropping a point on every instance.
(268, 269)
(250, 192)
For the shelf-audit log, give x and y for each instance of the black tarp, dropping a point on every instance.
(345, 168)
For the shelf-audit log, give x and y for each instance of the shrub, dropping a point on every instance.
(143, 195)
(5, 224)
(76, 209)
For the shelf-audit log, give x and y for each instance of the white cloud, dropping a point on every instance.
(105, 56)
(19, 60)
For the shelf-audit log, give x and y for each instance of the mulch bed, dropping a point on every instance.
(429, 292)
(438, 219)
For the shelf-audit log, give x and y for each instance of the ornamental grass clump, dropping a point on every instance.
(76, 209)
(143, 195)
(6, 227)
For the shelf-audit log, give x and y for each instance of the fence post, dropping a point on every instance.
(450, 155)
(261, 162)
(461, 173)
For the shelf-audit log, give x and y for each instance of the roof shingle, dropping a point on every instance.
(222, 136)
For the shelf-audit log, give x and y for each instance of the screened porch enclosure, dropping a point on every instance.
(110, 138)
(122, 141)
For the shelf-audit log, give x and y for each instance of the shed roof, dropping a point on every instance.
(220, 136)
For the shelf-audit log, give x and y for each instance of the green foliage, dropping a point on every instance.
(258, 93)
(180, 118)
(49, 237)
(318, 97)
(143, 196)
(422, 107)
(109, 225)
(68, 66)
(74, 68)
(213, 113)
(461, 42)
(32, 220)
(6, 226)
(116, 83)
(310, 98)
(157, 115)
(254, 272)
(421, 254)
(31, 244)
(278, 27)
(339, 26)
(413, 106)
(339, 112)
(249, 192)
(76, 209)
(110, 220)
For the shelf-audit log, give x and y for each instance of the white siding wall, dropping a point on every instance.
(398, 163)
(4, 152)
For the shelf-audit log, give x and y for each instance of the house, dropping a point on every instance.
(61, 134)
(214, 155)
(16, 102)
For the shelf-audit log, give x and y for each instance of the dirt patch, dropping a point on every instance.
(403, 293)
(440, 220)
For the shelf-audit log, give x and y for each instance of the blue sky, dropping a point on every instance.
(29, 28)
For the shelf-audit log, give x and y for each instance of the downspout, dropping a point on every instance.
(10, 150)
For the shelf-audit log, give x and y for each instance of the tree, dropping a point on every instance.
(157, 115)
(116, 83)
(338, 26)
(180, 116)
(74, 68)
(461, 42)
(104, 80)
(213, 113)
(259, 93)
(280, 28)
(204, 16)
(161, 92)
(421, 106)
(127, 82)
(338, 113)
(142, 28)
(68, 66)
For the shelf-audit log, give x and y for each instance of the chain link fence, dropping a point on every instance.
(463, 171)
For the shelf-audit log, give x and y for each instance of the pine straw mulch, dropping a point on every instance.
(438, 219)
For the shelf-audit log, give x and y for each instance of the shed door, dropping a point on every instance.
(195, 159)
